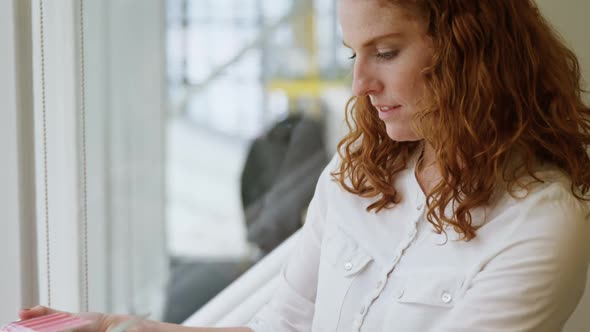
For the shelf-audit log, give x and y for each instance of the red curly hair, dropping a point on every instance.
(514, 88)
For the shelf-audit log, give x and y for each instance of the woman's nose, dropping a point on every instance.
(364, 81)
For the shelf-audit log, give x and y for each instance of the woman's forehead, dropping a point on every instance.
(405, 9)
(361, 20)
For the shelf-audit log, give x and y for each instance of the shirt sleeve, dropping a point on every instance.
(292, 306)
(535, 279)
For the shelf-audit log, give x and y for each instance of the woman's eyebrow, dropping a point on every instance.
(374, 40)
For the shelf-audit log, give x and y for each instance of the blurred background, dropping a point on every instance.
(235, 69)
(238, 71)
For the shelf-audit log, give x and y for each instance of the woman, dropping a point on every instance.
(457, 200)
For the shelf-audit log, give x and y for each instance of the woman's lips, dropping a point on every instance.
(386, 112)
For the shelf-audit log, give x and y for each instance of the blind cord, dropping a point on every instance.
(44, 123)
(84, 175)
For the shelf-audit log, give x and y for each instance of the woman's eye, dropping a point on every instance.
(381, 55)
(387, 55)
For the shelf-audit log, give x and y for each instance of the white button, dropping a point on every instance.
(363, 310)
(419, 206)
(348, 266)
(446, 297)
(379, 283)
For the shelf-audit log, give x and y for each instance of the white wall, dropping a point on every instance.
(570, 18)
(17, 201)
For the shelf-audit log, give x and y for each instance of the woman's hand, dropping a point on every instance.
(113, 323)
(100, 322)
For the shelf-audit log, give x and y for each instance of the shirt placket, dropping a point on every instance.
(384, 275)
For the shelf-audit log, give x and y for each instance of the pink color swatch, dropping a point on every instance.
(51, 323)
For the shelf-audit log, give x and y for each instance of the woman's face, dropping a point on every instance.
(390, 50)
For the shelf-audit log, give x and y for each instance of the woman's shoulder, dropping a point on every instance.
(548, 208)
(550, 187)
(335, 180)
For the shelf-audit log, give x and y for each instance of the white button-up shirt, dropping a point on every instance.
(354, 270)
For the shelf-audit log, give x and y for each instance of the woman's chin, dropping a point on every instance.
(401, 134)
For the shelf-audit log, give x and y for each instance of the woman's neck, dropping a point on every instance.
(426, 172)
